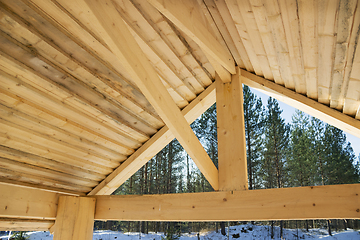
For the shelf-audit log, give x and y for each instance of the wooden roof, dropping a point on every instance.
(73, 118)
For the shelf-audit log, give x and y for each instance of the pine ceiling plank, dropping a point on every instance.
(46, 163)
(182, 50)
(290, 18)
(220, 24)
(41, 128)
(255, 37)
(234, 35)
(14, 131)
(263, 23)
(153, 39)
(15, 32)
(163, 137)
(224, 74)
(40, 172)
(14, 142)
(121, 42)
(281, 46)
(69, 44)
(327, 14)
(28, 109)
(74, 92)
(170, 75)
(41, 181)
(307, 11)
(244, 35)
(303, 103)
(56, 105)
(186, 15)
(55, 15)
(352, 99)
(346, 43)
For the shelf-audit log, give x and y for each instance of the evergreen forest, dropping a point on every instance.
(304, 152)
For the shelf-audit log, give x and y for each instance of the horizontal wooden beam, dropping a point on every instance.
(15, 224)
(154, 145)
(303, 103)
(27, 203)
(319, 202)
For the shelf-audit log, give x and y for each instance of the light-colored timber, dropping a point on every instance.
(91, 90)
(187, 16)
(10, 224)
(264, 204)
(20, 202)
(75, 218)
(130, 54)
(303, 103)
(231, 135)
(154, 145)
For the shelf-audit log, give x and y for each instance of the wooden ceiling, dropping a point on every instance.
(73, 115)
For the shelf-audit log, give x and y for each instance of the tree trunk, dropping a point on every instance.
(307, 225)
(329, 227)
(222, 226)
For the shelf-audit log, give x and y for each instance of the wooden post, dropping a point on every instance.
(75, 218)
(231, 135)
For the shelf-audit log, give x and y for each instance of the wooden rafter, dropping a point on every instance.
(303, 103)
(186, 15)
(122, 43)
(154, 145)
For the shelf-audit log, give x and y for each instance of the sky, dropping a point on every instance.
(289, 111)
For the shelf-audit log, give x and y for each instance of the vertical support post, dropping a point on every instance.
(75, 218)
(231, 134)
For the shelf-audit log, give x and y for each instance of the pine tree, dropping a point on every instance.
(339, 165)
(301, 163)
(254, 121)
(275, 152)
(276, 142)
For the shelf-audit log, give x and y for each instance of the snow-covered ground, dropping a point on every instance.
(252, 232)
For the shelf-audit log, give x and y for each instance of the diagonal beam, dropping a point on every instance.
(187, 16)
(319, 202)
(303, 103)
(153, 145)
(123, 45)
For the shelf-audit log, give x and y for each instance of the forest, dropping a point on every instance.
(305, 152)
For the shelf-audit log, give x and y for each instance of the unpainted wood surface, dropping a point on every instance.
(71, 113)
(319, 202)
